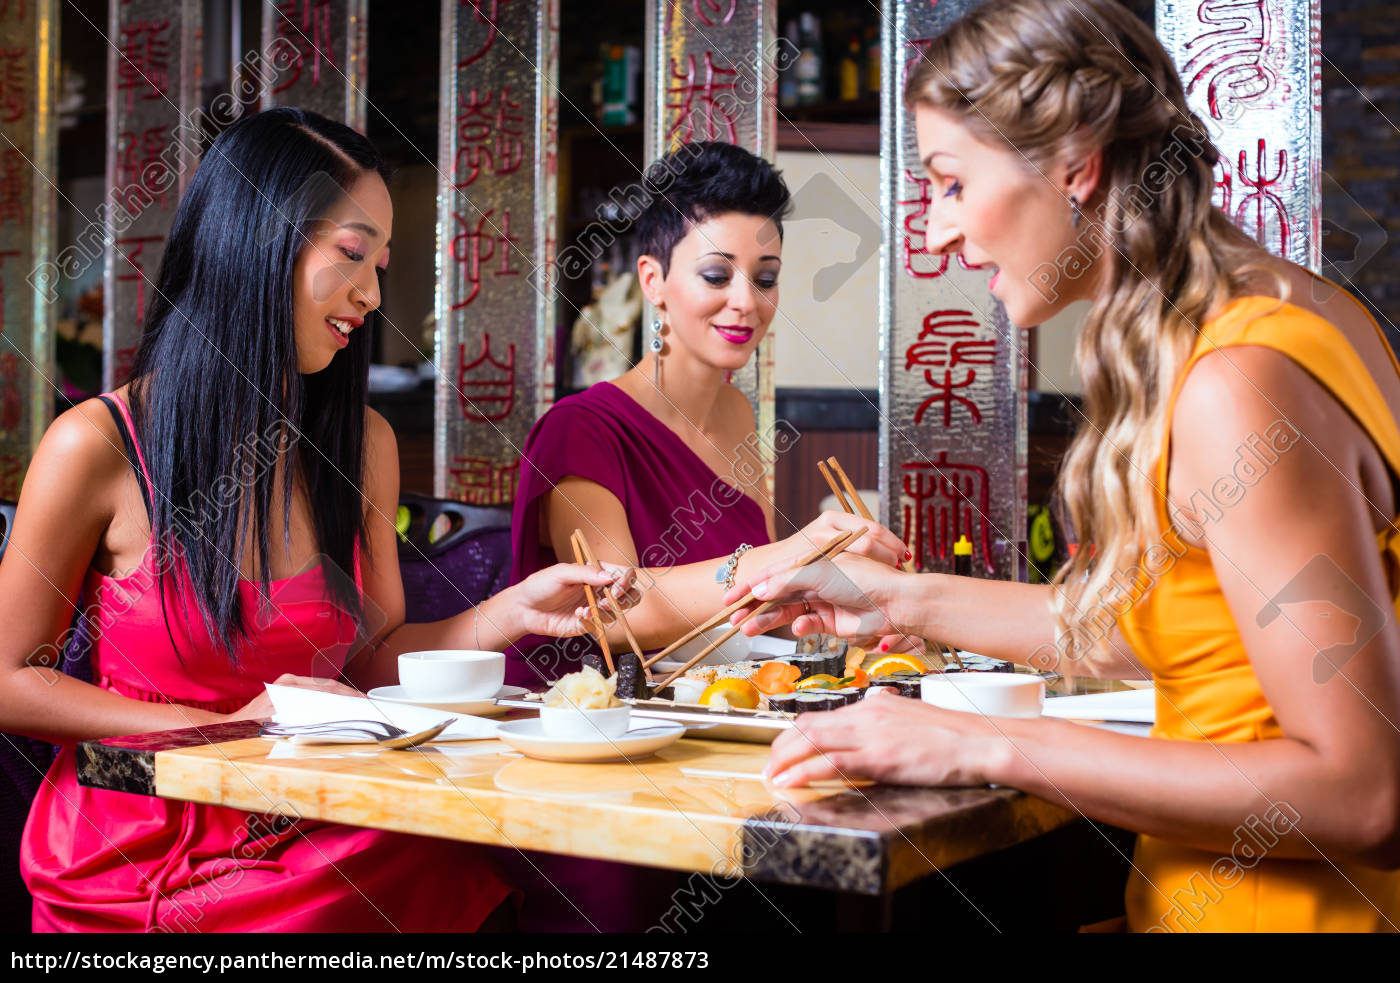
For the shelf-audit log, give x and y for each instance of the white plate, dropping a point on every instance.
(760, 648)
(527, 738)
(476, 708)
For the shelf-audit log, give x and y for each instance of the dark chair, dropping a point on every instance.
(23, 763)
(452, 557)
(7, 519)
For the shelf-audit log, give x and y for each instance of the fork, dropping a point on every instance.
(385, 735)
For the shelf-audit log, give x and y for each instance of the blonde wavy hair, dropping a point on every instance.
(1053, 80)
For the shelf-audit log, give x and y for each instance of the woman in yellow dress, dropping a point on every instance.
(1235, 472)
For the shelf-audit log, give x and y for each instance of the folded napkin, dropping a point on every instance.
(1129, 706)
(297, 705)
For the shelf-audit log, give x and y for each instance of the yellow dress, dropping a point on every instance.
(1182, 630)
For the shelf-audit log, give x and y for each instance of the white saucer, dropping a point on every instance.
(475, 708)
(527, 738)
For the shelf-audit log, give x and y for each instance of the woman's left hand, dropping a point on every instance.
(889, 739)
(552, 601)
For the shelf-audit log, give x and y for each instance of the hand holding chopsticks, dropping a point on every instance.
(830, 550)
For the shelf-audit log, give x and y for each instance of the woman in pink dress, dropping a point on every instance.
(229, 520)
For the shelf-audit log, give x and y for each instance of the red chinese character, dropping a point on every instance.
(479, 118)
(939, 353)
(943, 393)
(486, 12)
(14, 84)
(473, 248)
(1230, 60)
(11, 406)
(486, 387)
(135, 153)
(143, 63)
(138, 273)
(722, 11)
(1268, 207)
(13, 192)
(482, 481)
(950, 500)
(307, 25)
(4, 255)
(930, 264)
(715, 116)
(1223, 183)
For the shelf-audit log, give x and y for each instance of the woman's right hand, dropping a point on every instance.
(260, 707)
(853, 597)
(878, 543)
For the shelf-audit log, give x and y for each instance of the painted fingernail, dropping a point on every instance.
(908, 555)
(884, 646)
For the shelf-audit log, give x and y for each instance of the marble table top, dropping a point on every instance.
(696, 805)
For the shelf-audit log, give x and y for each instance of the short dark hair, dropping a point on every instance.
(699, 181)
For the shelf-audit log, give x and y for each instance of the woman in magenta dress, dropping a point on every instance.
(660, 467)
(228, 518)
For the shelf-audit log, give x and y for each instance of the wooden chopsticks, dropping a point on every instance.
(849, 498)
(584, 555)
(831, 549)
(846, 488)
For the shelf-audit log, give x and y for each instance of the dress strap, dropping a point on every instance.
(122, 417)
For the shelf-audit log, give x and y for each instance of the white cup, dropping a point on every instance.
(571, 723)
(994, 694)
(452, 674)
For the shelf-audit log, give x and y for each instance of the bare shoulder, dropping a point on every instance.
(378, 432)
(81, 458)
(381, 459)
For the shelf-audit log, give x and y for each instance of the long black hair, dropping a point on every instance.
(215, 384)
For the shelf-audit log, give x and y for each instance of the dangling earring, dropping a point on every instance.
(1074, 214)
(656, 346)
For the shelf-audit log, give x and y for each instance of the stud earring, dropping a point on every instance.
(1074, 213)
(656, 346)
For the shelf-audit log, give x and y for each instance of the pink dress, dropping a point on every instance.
(99, 860)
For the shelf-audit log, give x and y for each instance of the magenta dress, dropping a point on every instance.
(678, 510)
(99, 860)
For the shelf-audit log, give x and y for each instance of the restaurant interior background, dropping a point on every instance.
(828, 130)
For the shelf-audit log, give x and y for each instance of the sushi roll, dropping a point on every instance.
(631, 679)
(809, 702)
(785, 702)
(848, 695)
(883, 682)
(594, 660)
(912, 688)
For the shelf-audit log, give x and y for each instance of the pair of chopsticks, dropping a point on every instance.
(849, 498)
(583, 553)
(851, 501)
(826, 552)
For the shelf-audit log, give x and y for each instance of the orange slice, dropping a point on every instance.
(737, 693)
(897, 663)
(820, 681)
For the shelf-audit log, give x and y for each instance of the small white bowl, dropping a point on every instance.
(452, 674)
(573, 724)
(993, 694)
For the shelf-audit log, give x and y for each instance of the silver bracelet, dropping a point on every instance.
(725, 574)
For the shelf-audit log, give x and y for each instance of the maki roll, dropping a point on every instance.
(631, 679)
(594, 660)
(784, 702)
(809, 702)
(883, 682)
(912, 688)
(847, 695)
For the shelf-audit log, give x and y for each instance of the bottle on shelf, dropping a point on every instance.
(850, 87)
(962, 557)
(872, 60)
(787, 65)
(811, 78)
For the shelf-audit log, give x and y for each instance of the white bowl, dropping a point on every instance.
(993, 694)
(452, 674)
(571, 723)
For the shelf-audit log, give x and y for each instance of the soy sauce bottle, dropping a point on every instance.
(962, 557)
